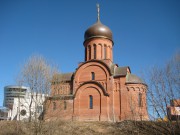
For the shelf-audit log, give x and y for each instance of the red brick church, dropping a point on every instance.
(98, 90)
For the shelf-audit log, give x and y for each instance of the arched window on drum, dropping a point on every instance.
(140, 99)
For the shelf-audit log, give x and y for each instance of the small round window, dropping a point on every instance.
(23, 112)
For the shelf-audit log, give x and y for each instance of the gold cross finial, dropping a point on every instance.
(97, 5)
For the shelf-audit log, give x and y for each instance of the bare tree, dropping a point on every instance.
(37, 74)
(163, 86)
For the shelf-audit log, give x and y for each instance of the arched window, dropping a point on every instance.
(92, 76)
(85, 54)
(65, 105)
(90, 102)
(105, 49)
(54, 105)
(115, 86)
(140, 100)
(94, 51)
(89, 52)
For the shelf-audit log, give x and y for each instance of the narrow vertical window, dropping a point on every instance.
(101, 52)
(54, 105)
(111, 54)
(90, 102)
(89, 50)
(94, 51)
(140, 100)
(85, 54)
(105, 49)
(92, 76)
(65, 105)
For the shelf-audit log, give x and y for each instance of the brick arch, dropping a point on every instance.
(97, 66)
(91, 84)
(132, 88)
(137, 88)
(82, 111)
(83, 73)
(96, 61)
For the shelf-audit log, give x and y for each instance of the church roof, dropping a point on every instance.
(116, 71)
(67, 76)
(131, 78)
(64, 77)
(119, 71)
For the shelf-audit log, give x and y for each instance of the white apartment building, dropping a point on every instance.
(29, 106)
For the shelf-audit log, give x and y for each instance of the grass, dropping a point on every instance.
(88, 128)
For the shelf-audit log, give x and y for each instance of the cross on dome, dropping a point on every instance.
(98, 11)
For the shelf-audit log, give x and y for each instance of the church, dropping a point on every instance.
(98, 90)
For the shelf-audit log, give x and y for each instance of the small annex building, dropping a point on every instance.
(98, 90)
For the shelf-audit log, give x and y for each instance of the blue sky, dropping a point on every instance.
(145, 32)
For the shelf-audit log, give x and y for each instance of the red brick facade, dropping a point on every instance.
(173, 110)
(98, 90)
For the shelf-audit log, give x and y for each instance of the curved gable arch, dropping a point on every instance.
(92, 82)
(98, 61)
